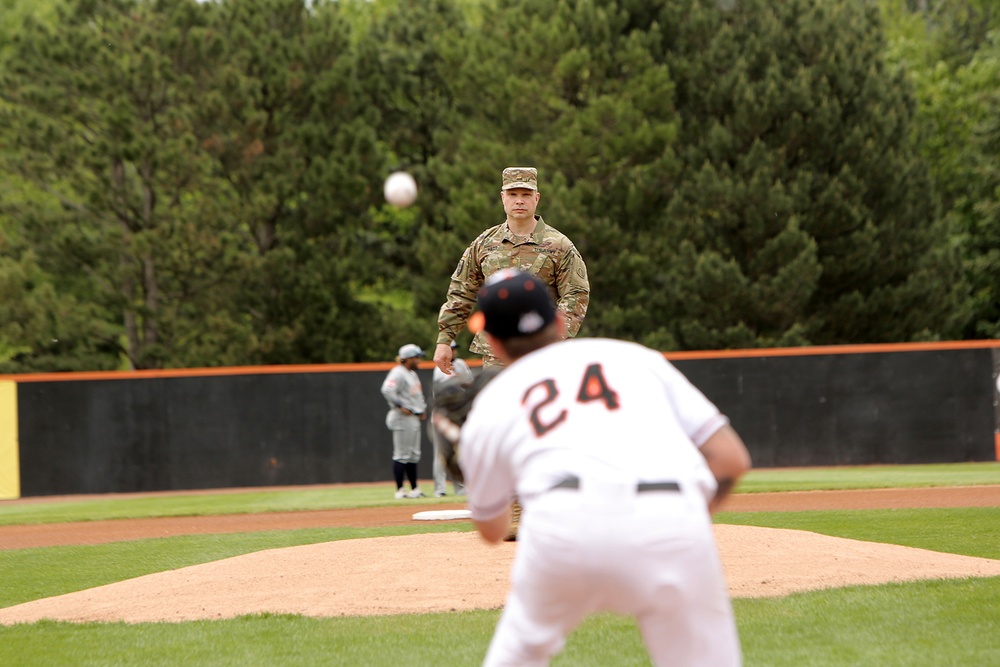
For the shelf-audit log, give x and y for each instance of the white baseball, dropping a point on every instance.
(400, 189)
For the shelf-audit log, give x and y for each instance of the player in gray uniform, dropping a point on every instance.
(460, 373)
(407, 408)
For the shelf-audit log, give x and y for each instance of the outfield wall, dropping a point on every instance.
(265, 426)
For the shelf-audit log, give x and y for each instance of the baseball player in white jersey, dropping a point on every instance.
(407, 408)
(619, 462)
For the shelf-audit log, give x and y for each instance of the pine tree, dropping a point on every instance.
(955, 68)
(207, 168)
(982, 240)
(288, 127)
(98, 110)
(806, 214)
(410, 56)
(571, 89)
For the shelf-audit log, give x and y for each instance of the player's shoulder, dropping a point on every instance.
(392, 377)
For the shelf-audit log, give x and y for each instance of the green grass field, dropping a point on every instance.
(932, 623)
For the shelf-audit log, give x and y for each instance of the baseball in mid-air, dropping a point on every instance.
(400, 189)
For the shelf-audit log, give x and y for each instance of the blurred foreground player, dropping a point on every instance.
(619, 462)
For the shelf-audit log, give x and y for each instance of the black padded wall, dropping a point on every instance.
(204, 432)
(855, 409)
(996, 401)
(217, 431)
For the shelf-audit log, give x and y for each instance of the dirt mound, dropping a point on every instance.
(398, 575)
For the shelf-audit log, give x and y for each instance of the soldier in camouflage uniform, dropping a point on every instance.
(522, 241)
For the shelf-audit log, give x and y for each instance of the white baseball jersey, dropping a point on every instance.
(593, 408)
(611, 414)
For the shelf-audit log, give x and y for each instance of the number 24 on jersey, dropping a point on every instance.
(593, 387)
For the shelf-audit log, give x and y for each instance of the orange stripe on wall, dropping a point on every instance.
(835, 349)
(384, 366)
(427, 365)
(996, 444)
(202, 372)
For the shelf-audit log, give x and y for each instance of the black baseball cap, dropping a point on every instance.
(514, 303)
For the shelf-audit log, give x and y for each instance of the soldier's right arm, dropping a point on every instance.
(462, 293)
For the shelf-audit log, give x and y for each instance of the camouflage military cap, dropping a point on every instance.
(520, 177)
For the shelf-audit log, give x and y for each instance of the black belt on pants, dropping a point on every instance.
(573, 482)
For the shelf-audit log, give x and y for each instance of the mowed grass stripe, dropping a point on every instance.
(931, 624)
(193, 503)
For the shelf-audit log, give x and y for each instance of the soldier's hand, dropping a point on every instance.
(442, 358)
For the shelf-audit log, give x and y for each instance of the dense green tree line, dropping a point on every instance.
(951, 52)
(199, 184)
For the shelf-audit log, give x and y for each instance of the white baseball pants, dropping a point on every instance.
(649, 555)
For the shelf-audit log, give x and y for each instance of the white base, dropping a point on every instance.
(440, 515)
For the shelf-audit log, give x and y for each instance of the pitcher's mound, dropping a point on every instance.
(458, 571)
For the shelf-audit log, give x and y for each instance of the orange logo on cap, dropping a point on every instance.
(477, 322)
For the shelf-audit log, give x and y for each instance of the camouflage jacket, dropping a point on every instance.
(547, 253)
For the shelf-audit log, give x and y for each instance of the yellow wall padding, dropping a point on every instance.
(10, 467)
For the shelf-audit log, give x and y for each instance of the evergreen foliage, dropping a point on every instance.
(296, 153)
(983, 233)
(199, 184)
(99, 116)
(807, 205)
(951, 52)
